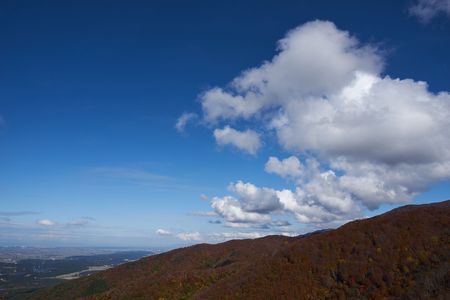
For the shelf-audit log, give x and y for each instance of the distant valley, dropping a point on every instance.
(402, 254)
(53, 266)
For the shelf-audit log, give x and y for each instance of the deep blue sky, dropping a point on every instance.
(90, 92)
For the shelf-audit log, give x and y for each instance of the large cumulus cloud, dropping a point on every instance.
(358, 138)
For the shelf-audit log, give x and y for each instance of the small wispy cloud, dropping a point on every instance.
(130, 175)
(184, 120)
(46, 222)
(78, 222)
(426, 10)
(225, 236)
(190, 236)
(163, 232)
(140, 176)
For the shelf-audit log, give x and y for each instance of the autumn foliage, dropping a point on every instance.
(401, 254)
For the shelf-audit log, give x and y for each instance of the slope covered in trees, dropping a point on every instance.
(403, 254)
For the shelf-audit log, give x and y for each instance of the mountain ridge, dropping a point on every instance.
(404, 253)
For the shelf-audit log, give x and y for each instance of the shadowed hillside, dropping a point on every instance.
(404, 253)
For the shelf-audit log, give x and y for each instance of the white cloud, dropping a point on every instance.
(313, 59)
(216, 237)
(289, 167)
(163, 232)
(426, 10)
(319, 199)
(254, 199)
(366, 138)
(196, 236)
(226, 236)
(183, 120)
(277, 225)
(189, 236)
(322, 198)
(232, 210)
(45, 222)
(247, 140)
(393, 121)
(219, 104)
(204, 197)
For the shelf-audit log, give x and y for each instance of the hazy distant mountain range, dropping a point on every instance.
(404, 253)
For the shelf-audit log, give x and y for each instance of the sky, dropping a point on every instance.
(166, 123)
